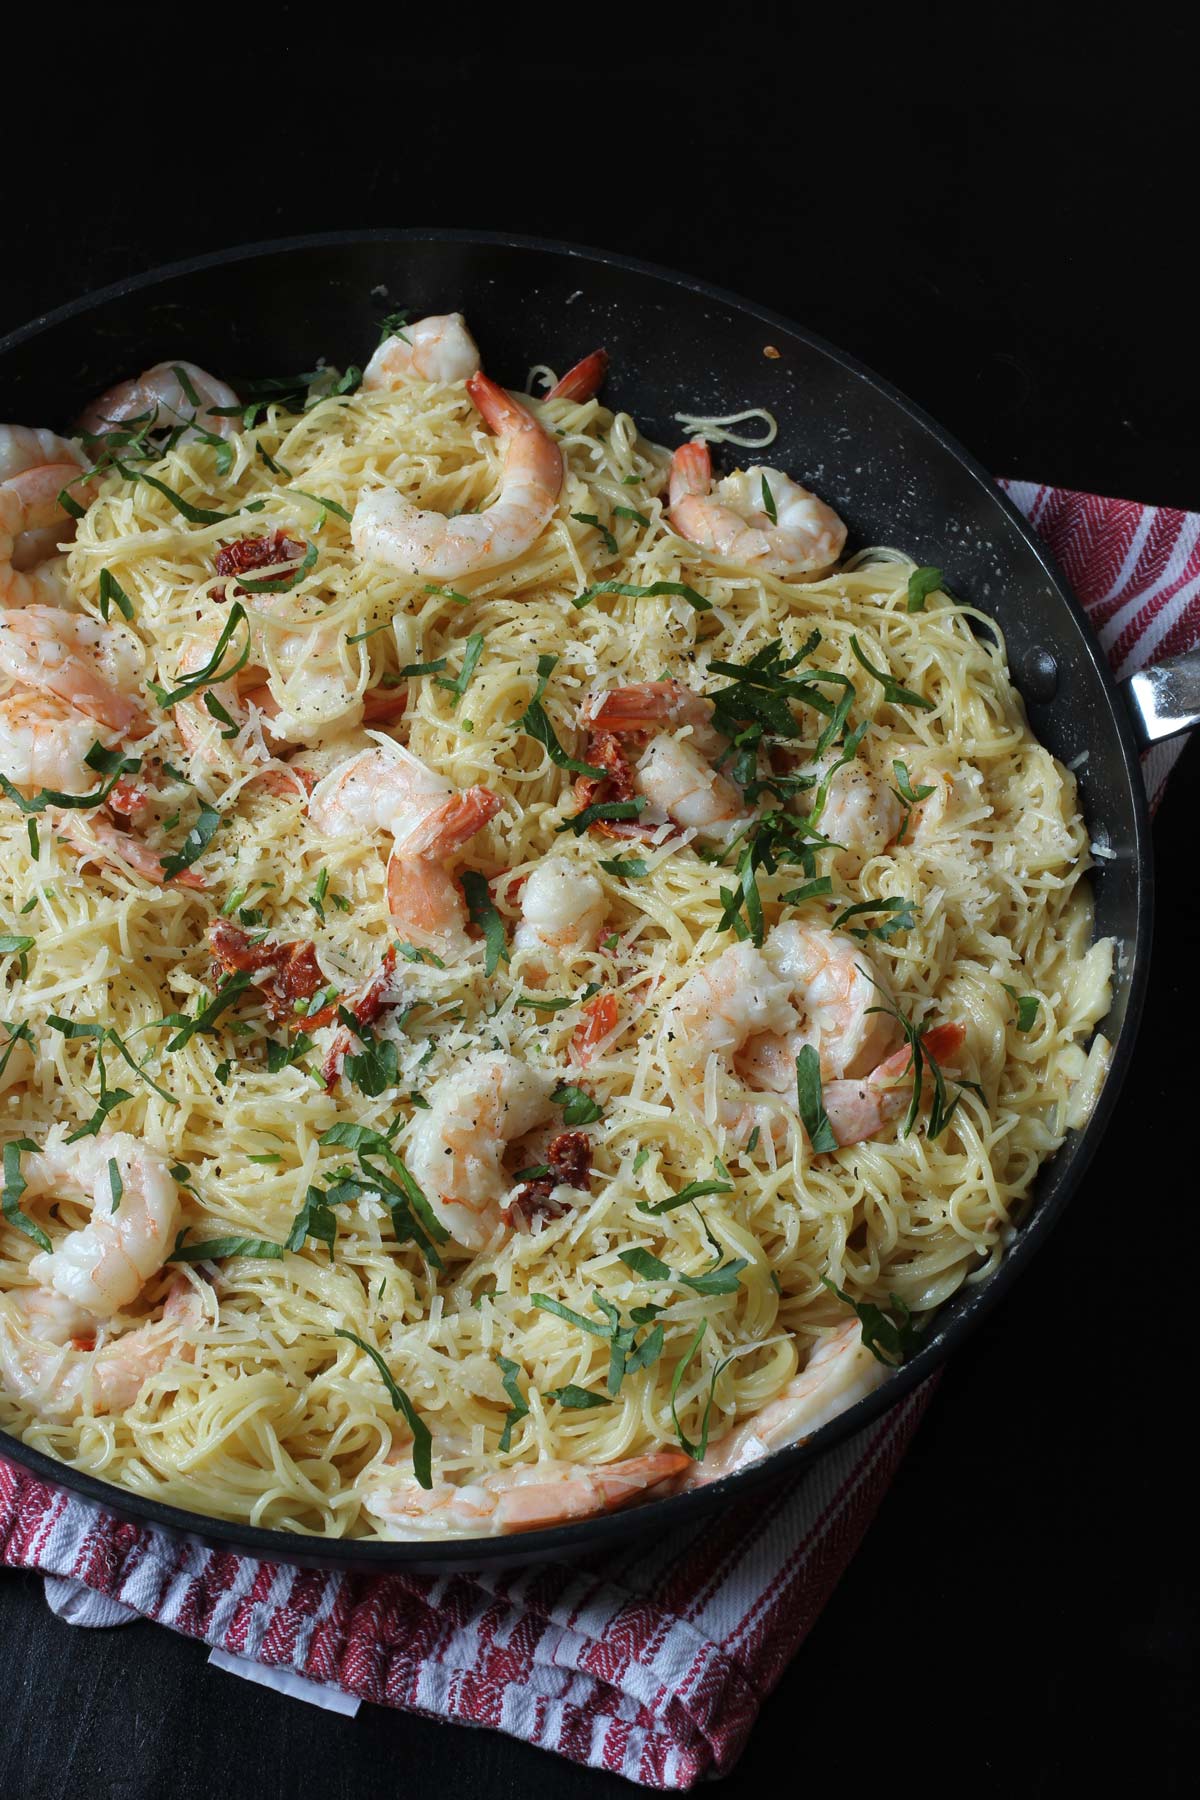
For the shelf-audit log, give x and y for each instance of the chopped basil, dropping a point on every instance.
(811, 890)
(695, 1190)
(14, 1186)
(644, 1264)
(422, 1436)
(194, 844)
(211, 673)
(606, 809)
(610, 542)
(535, 723)
(509, 1372)
(109, 763)
(214, 1249)
(195, 515)
(811, 1103)
(633, 592)
(578, 1106)
(632, 868)
(626, 1354)
(445, 593)
(631, 512)
(893, 693)
(577, 1397)
(327, 505)
(904, 918)
(768, 501)
(921, 583)
(113, 594)
(462, 680)
(890, 1341)
(116, 1186)
(484, 915)
(375, 1069)
(697, 1451)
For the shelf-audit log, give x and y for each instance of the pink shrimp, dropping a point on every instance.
(389, 529)
(797, 535)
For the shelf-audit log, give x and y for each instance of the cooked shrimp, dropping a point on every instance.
(43, 743)
(46, 1356)
(675, 770)
(389, 529)
(104, 1265)
(157, 401)
(803, 538)
(439, 348)
(839, 1372)
(391, 790)
(861, 813)
(523, 1498)
(36, 466)
(582, 381)
(858, 1110)
(806, 985)
(562, 909)
(100, 841)
(95, 668)
(456, 1147)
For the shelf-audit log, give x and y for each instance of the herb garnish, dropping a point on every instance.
(811, 1102)
(578, 1106)
(890, 1341)
(483, 914)
(14, 1186)
(632, 592)
(610, 542)
(626, 1355)
(462, 681)
(697, 1452)
(904, 918)
(893, 693)
(921, 583)
(422, 1436)
(603, 809)
(212, 671)
(535, 723)
(214, 1249)
(108, 763)
(509, 1371)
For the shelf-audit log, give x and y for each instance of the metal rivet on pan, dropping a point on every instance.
(1039, 676)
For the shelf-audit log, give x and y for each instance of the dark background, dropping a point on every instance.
(1012, 246)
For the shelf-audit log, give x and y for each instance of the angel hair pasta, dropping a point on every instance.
(527, 976)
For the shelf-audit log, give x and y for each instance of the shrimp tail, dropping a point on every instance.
(499, 411)
(691, 471)
(583, 381)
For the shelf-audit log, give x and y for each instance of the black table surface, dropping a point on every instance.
(1023, 1611)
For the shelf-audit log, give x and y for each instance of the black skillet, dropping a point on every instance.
(676, 345)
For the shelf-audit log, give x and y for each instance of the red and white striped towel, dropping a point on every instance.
(652, 1661)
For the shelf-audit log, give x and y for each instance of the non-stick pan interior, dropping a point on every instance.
(676, 348)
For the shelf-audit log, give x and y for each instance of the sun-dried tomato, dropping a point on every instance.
(290, 969)
(605, 750)
(244, 555)
(569, 1160)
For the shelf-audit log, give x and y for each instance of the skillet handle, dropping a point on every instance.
(1164, 700)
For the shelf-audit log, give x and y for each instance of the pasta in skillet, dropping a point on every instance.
(527, 975)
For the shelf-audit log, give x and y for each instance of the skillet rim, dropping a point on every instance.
(970, 1305)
